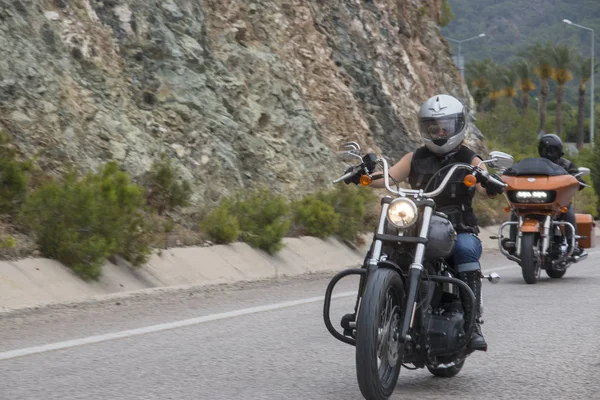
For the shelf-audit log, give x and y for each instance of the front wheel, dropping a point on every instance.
(378, 350)
(447, 372)
(530, 260)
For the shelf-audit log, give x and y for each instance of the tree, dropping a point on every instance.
(497, 84)
(446, 13)
(562, 59)
(583, 72)
(541, 57)
(478, 76)
(509, 80)
(525, 74)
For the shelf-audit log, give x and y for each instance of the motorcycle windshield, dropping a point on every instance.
(535, 166)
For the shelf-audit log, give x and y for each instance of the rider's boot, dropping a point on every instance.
(509, 245)
(473, 279)
(578, 251)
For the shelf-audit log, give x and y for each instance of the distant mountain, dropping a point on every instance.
(510, 25)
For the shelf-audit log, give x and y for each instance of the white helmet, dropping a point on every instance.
(442, 123)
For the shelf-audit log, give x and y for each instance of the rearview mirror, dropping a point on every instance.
(353, 146)
(501, 160)
(349, 156)
(351, 153)
(583, 171)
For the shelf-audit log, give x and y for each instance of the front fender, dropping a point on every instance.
(530, 226)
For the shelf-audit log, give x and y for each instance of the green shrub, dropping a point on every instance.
(315, 217)
(163, 191)
(15, 177)
(590, 158)
(81, 221)
(446, 14)
(264, 218)
(586, 202)
(490, 211)
(64, 217)
(8, 242)
(137, 239)
(357, 207)
(221, 224)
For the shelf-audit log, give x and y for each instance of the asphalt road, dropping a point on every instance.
(250, 342)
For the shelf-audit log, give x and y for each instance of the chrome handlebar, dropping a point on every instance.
(434, 193)
(341, 178)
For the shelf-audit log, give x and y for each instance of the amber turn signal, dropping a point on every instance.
(564, 209)
(470, 180)
(506, 209)
(365, 180)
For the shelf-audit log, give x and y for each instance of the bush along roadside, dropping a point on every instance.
(80, 221)
(262, 219)
(258, 217)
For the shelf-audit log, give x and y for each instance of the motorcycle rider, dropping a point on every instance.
(442, 123)
(550, 147)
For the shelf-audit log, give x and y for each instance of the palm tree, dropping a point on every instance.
(497, 83)
(509, 80)
(582, 70)
(541, 57)
(562, 59)
(478, 76)
(524, 71)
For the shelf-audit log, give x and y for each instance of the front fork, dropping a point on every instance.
(416, 269)
(414, 277)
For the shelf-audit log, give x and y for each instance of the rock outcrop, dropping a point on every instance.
(237, 92)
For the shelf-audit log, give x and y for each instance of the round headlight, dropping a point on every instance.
(402, 213)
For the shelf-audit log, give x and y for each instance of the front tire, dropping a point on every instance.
(378, 352)
(447, 372)
(530, 263)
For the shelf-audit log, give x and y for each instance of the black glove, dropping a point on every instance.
(354, 178)
(491, 188)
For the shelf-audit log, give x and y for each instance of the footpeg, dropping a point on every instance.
(348, 322)
(494, 277)
(580, 257)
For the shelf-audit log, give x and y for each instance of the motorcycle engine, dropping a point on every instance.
(444, 330)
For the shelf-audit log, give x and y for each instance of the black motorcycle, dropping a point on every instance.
(408, 309)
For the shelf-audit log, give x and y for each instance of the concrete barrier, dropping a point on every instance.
(37, 281)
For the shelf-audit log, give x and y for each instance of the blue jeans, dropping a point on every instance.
(466, 253)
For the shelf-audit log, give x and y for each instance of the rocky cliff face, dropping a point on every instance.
(235, 91)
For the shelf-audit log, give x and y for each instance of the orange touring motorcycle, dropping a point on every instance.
(538, 192)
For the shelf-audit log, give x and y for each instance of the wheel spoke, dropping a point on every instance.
(387, 348)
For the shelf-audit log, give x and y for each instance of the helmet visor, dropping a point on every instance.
(441, 128)
(552, 153)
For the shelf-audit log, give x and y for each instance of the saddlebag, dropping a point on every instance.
(586, 226)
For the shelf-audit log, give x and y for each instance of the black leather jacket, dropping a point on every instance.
(456, 199)
(571, 169)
